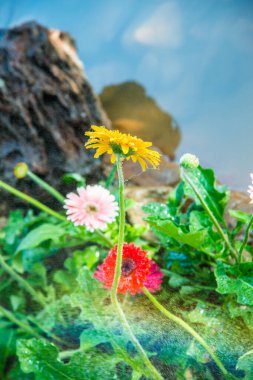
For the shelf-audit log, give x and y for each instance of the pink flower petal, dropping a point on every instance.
(93, 207)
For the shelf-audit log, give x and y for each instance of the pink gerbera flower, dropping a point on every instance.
(250, 190)
(154, 279)
(93, 206)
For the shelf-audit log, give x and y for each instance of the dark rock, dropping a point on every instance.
(46, 105)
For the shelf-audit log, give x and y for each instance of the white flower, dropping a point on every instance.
(189, 161)
(250, 189)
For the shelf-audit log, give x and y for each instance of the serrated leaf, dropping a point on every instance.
(204, 181)
(237, 279)
(167, 227)
(41, 358)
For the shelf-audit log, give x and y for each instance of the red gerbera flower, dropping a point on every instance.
(137, 270)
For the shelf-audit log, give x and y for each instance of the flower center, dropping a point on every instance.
(128, 266)
(91, 208)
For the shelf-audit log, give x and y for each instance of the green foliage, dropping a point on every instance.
(74, 178)
(62, 325)
(204, 181)
(236, 279)
(167, 227)
(242, 217)
(41, 358)
(7, 347)
(245, 363)
(41, 234)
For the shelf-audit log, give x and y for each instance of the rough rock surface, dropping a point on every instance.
(46, 105)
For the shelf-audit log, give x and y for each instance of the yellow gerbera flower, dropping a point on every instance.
(115, 142)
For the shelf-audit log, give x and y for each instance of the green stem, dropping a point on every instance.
(186, 327)
(51, 190)
(154, 373)
(245, 240)
(104, 238)
(121, 227)
(67, 354)
(212, 217)
(23, 283)
(31, 200)
(26, 327)
(7, 314)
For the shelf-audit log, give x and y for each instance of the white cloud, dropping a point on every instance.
(163, 28)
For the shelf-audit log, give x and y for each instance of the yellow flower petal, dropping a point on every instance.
(125, 148)
(113, 158)
(115, 142)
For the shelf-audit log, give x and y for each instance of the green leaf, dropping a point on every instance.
(198, 352)
(90, 338)
(7, 347)
(243, 311)
(187, 290)
(167, 227)
(92, 299)
(136, 375)
(176, 281)
(176, 195)
(199, 220)
(16, 373)
(204, 181)
(74, 177)
(159, 210)
(240, 216)
(237, 279)
(40, 357)
(67, 278)
(16, 301)
(40, 234)
(245, 363)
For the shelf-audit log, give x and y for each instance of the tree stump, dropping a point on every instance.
(46, 105)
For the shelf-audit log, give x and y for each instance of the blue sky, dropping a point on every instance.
(194, 57)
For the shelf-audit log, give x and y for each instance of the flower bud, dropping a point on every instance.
(20, 170)
(189, 161)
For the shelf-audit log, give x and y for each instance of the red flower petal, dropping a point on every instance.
(137, 270)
